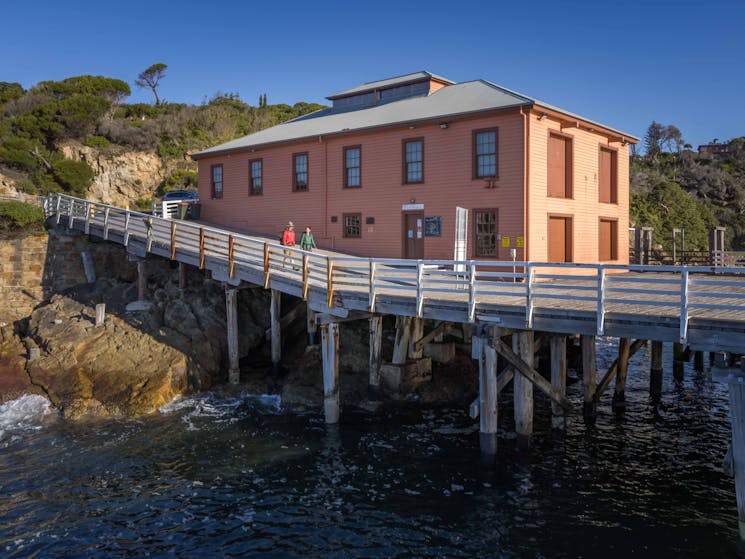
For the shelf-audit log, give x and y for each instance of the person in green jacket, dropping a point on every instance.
(307, 242)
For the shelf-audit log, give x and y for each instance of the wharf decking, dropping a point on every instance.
(702, 307)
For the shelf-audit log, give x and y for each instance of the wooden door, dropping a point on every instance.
(608, 240)
(559, 239)
(413, 235)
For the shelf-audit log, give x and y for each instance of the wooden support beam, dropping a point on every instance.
(181, 276)
(375, 361)
(679, 360)
(488, 402)
(558, 350)
(289, 317)
(89, 268)
(439, 330)
(625, 351)
(100, 314)
(417, 333)
(276, 327)
(330, 360)
(655, 372)
(507, 374)
(504, 378)
(531, 374)
(522, 387)
(401, 345)
(141, 280)
(231, 304)
(737, 414)
(698, 361)
(324, 317)
(624, 354)
(589, 374)
(310, 325)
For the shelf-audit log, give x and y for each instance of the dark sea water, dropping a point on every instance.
(214, 476)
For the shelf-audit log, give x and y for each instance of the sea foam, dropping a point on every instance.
(24, 415)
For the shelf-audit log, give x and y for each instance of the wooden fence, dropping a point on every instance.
(677, 293)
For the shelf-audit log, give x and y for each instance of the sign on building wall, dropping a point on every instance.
(433, 226)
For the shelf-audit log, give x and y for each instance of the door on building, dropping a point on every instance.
(559, 239)
(413, 235)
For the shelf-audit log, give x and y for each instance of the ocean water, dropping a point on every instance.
(217, 476)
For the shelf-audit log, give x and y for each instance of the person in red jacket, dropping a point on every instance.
(288, 239)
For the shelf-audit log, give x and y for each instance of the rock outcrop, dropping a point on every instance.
(121, 176)
(135, 362)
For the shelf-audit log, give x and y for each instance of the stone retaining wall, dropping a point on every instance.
(33, 268)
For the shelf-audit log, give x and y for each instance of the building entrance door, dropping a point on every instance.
(413, 235)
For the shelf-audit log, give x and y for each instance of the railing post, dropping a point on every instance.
(601, 300)
(305, 277)
(684, 306)
(59, 214)
(266, 265)
(471, 291)
(329, 282)
(173, 240)
(529, 270)
(419, 292)
(371, 285)
(149, 235)
(70, 216)
(231, 260)
(87, 217)
(201, 248)
(126, 227)
(106, 224)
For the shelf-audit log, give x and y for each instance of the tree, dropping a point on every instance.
(151, 77)
(653, 139)
(672, 138)
(10, 91)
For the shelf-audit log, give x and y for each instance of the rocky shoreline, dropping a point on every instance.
(136, 362)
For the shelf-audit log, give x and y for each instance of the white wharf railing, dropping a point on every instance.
(482, 289)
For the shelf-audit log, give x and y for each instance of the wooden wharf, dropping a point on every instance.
(503, 306)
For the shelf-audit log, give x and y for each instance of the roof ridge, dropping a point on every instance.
(506, 90)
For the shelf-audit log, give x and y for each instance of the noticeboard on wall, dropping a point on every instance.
(433, 226)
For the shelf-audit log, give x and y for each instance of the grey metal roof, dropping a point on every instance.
(455, 99)
(458, 99)
(388, 82)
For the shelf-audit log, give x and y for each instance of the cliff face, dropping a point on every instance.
(121, 176)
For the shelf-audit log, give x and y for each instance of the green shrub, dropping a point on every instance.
(97, 142)
(27, 186)
(20, 217)
(74, 176)
(144, 205)
(181, 179)
(17, 152)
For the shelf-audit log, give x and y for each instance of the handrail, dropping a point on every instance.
(599, 288)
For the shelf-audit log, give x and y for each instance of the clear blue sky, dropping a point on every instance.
(621, 63)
